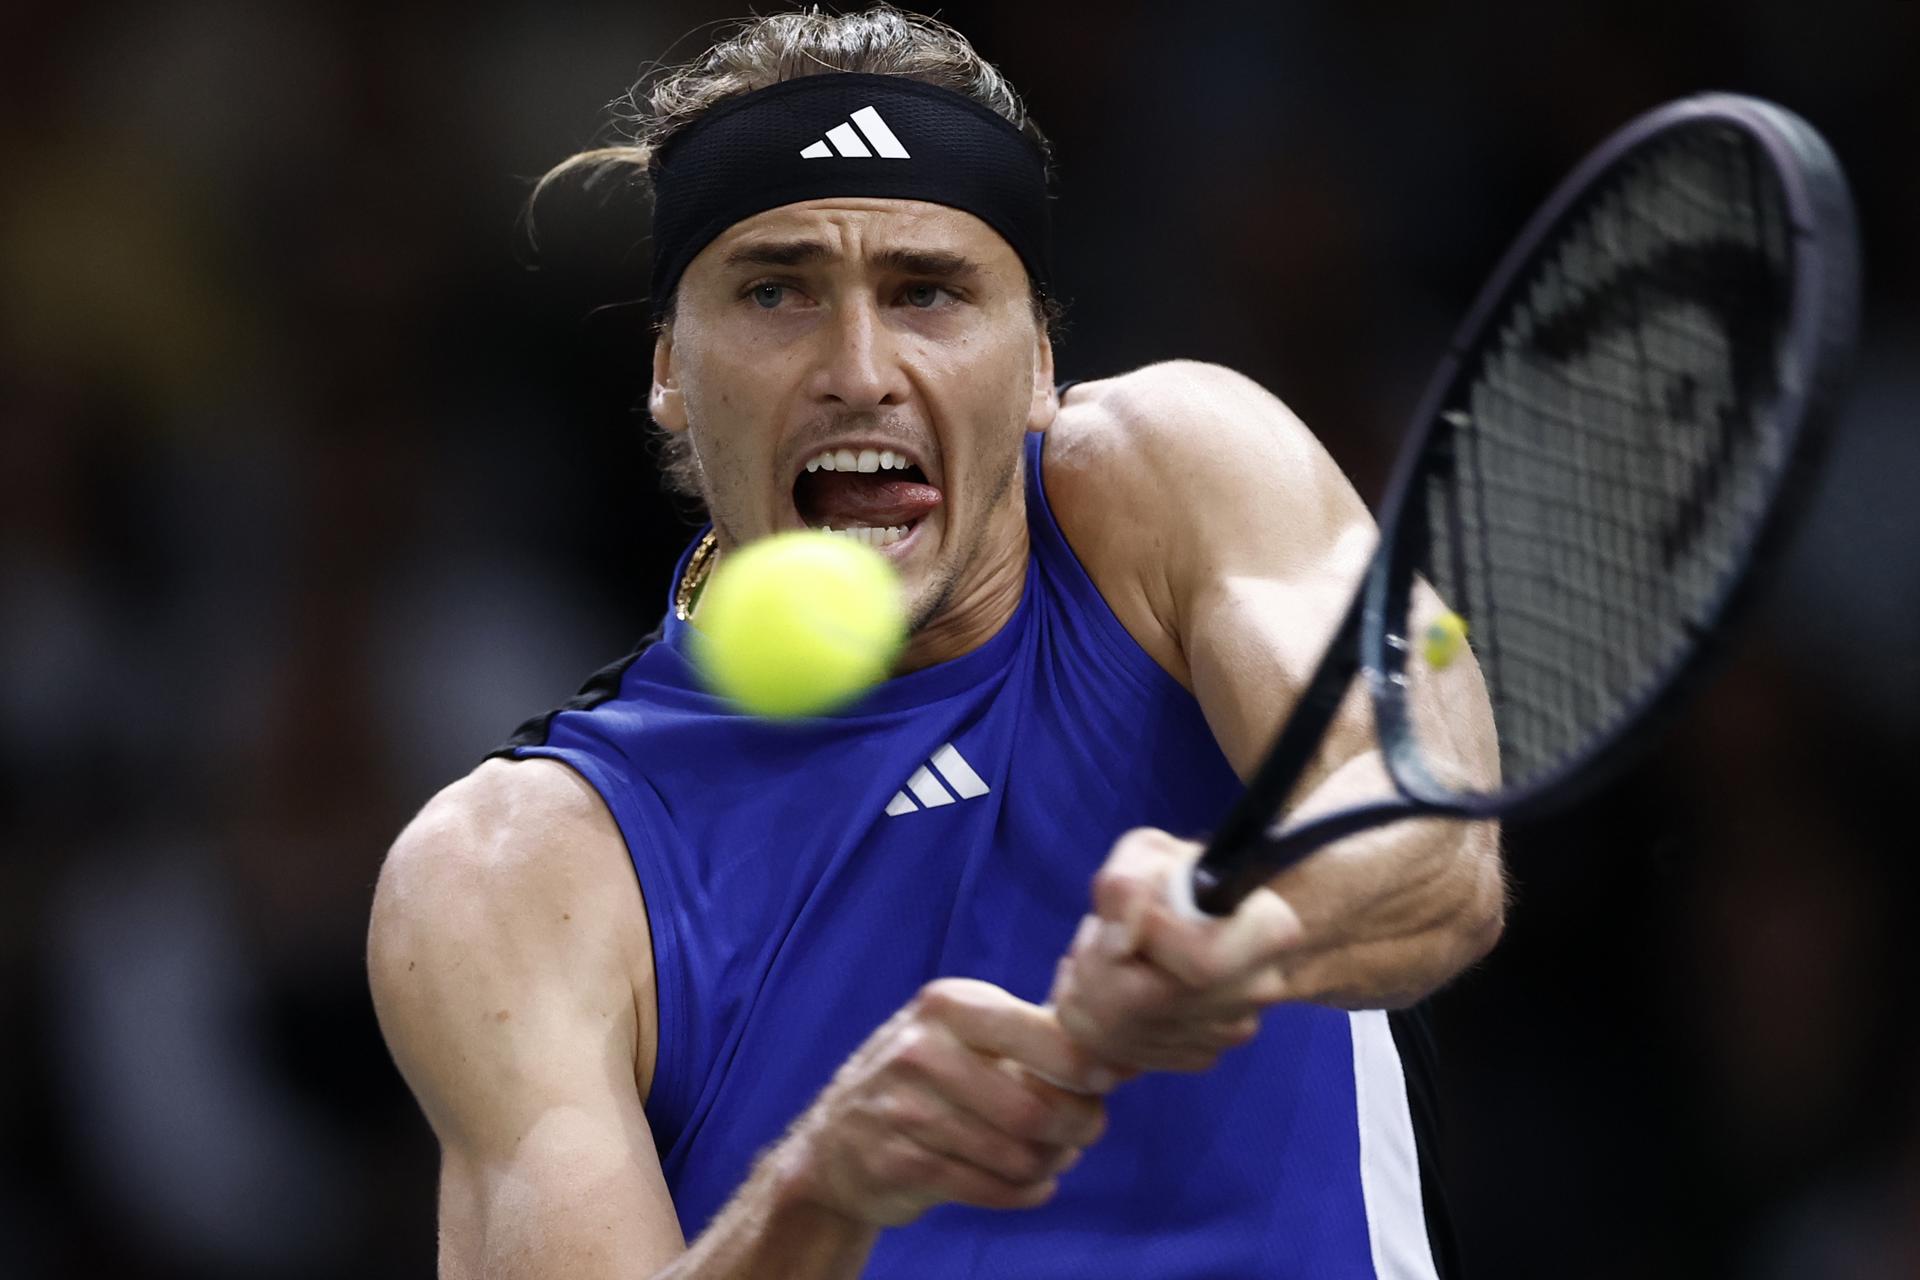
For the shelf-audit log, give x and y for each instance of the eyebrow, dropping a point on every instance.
(799, 253)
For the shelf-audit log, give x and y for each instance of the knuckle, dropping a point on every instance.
(1028, 1117)
(1039, 1193)
(1111, 887)
(1038, 1163)
(905, 1113)
(1220, 1037)
(1087, 1029)
(907, 1164)
(1021, 1162)
(914, 1050)
(938, 998)
(1270, 988)
(1214, 962)
(1092, 1123)
(1151, 839)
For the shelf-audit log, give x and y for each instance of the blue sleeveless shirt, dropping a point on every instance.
(802, 882)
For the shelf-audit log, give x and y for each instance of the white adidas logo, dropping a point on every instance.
(847, 142)
(926, 786)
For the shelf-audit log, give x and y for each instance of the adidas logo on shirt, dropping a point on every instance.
(847, 141)
(930, 781)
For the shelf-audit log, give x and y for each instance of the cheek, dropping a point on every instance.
(725, 398)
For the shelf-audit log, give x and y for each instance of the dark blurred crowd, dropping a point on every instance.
(320, 469)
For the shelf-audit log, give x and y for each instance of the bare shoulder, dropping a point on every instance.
(1176, 415)
(509, 840)
(1181, 471)
(509, 897)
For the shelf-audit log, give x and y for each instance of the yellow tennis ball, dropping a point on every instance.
(1446, 637)
(798, 624)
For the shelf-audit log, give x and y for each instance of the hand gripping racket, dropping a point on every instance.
(1598, 471)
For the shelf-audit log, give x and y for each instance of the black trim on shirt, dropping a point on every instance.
(601, 686)
(1419, 1062)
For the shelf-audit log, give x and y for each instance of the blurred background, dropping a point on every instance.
(316, 477)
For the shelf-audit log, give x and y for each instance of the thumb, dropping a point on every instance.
(1132, 883)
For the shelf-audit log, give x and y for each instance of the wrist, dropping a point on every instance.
(778, 1224)
(797, 1188)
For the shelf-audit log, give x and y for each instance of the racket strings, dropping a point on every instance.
(1610, 456)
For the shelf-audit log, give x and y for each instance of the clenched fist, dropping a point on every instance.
(1147, 989)
(950, 1100)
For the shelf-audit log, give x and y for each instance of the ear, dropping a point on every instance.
(1045, 403)
(664, 400)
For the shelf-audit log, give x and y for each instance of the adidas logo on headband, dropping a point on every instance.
(765, 148)
(848, 144)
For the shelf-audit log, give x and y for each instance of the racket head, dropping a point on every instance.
(1614, 448)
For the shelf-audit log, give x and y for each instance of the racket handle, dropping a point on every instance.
(1182, 893)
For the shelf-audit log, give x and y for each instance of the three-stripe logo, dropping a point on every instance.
(847, 141)
(930, 781)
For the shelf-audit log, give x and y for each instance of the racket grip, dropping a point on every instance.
(1181, 893)
(1212, 892)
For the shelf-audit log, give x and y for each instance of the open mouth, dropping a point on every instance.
(872, 495)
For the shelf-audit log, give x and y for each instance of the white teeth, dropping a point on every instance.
(868, 460)
(862, 460)
(870, 535)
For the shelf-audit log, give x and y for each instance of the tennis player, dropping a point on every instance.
(894, 993)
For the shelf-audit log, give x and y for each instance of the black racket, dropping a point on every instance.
(1599, 469)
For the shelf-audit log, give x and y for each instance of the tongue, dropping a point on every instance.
(845, 498)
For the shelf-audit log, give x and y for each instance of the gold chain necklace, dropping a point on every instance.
(699, 565)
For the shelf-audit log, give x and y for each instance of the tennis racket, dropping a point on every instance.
(1599, 470)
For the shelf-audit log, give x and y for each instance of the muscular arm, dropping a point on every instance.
(1231, 553)
(506, 945)
(512, 973)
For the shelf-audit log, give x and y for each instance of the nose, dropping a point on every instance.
(860, 366)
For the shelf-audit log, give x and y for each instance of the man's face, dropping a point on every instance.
(832, 333)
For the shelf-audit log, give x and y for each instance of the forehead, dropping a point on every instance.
(859, 228)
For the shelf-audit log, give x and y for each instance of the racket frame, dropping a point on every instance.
(1252, 845)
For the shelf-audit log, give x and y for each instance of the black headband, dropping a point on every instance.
(844, 134)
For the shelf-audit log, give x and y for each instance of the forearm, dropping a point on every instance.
(1393, 913)
(772, 1226)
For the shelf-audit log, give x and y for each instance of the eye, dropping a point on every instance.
(923, 296)
(767, 296)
